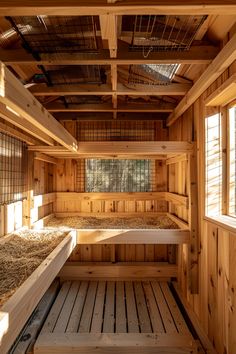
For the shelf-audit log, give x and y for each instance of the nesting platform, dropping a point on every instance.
(115, 317)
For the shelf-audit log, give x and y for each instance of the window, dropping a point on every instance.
(12, 167)
(119, 175)
(213, 164)
(232, 161)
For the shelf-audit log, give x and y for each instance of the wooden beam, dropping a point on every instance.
(224, 94)
(131, 7)
(21, 305)
(223, 60)
(145, 148)
(104, 107)
(112, 148)
(101, 343)
(42, 157)
(197, 54)
(106, 116)
(133, 237)
(108, 26)
(23, 124)
(121, 270)
(107, 90)
(17, 134)
(23, 104)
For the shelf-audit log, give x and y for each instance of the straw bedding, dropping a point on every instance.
(77, 222)
(21, 255)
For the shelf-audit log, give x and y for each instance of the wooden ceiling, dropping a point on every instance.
(72, 82)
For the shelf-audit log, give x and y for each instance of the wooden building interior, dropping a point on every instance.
(118, 146)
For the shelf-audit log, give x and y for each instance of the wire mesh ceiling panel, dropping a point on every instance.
(116, 131)
(119, 175)
(74, 74)
(13, 162)
(164, 33)
(58, 34)
(152, 74)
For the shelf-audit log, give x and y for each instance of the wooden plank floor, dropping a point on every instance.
(110, 316)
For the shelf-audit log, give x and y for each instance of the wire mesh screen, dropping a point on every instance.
(152, 74)
(58, 34)
(13, 161)
(73, 74)
(119, 175)
(163, 33)
(116, 131)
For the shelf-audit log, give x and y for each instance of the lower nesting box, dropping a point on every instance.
(115, 317)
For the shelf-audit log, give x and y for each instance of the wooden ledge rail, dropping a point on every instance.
(133, 237)
(20, 306)
(171, 197)
(121, 270)
(41, 223)
(43, 199)
(91, 343)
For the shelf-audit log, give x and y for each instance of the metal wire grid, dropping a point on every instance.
(116, 131)
(119, 175)
(71, 75)
(58, 34)
(152, 74)
(164, 33)
(13, 161)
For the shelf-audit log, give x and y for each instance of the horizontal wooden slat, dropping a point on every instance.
(158, 236)
(43, 199)
(124, 270)
(172, 197)
(32, 290)
(104, 343)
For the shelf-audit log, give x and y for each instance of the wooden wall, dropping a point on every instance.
(215, 304)
(67, 179)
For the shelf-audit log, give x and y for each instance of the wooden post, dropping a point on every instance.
(193, 259)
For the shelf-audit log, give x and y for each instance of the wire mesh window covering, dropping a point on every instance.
(13, 162)
(117, 131)
(58, 34)
(162, 33)
(111, 175)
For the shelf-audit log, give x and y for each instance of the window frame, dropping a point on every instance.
(225, 219)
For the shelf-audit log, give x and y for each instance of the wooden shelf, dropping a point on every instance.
(224, 94)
